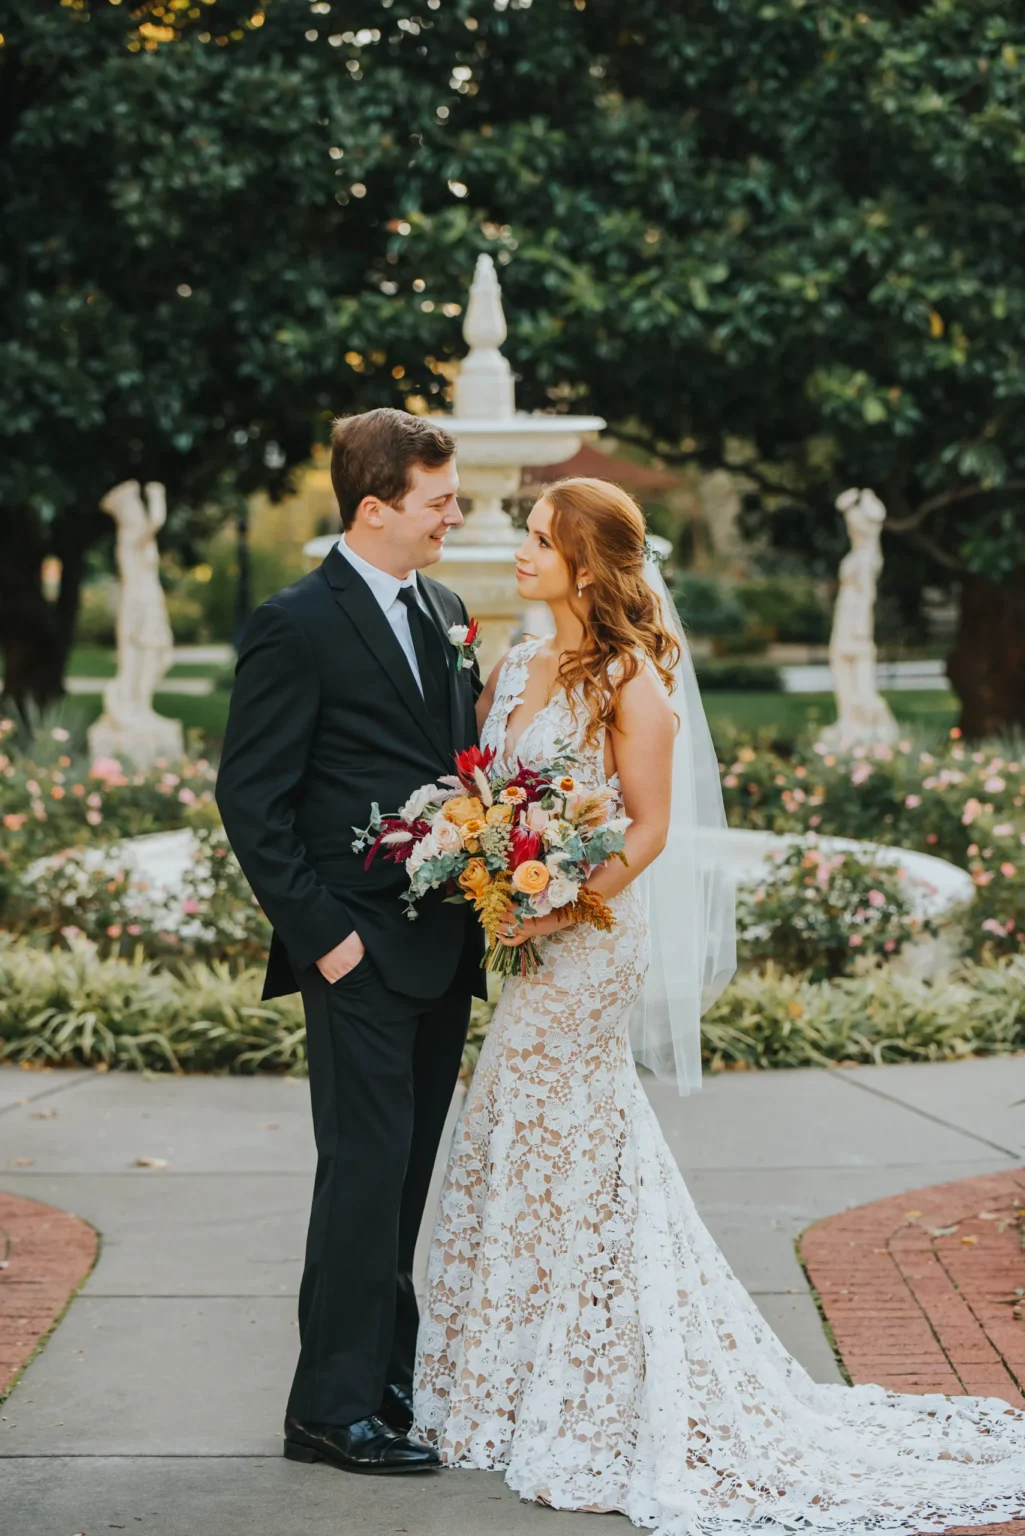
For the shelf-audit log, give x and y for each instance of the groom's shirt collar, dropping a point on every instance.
(382, 584)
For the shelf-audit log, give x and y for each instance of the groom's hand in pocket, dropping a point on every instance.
(342, 959)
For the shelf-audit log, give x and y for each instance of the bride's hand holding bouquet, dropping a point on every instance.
(520, 848)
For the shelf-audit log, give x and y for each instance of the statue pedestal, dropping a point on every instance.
(139, 741)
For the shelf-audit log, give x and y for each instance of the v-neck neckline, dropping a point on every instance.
(516, 699)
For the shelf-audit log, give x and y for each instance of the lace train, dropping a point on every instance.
(584, 1333)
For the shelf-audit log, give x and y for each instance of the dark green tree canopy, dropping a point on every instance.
(793, 226)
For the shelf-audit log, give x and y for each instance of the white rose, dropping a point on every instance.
(561, 891)
(418, 800)
(556, 832)
(457, 633)
(447, 837)
(537, 818)
(425, 849)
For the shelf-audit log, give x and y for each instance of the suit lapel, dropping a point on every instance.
(356, 599)
(451, 659)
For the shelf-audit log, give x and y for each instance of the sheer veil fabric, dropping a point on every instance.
(687, 892)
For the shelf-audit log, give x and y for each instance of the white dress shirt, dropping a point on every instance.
(386, 590)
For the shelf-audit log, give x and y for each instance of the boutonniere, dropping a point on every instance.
(466, 639)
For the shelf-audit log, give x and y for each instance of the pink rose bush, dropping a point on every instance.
(963, 805)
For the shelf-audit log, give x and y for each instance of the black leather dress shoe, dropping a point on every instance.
(397, 1407)
(369, 1445)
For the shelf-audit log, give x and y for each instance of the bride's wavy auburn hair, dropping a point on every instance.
(596, 526)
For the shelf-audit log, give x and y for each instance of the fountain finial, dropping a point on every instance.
(484, 384)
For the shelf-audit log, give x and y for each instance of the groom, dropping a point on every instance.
(348, 691)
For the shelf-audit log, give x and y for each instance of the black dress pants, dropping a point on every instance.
(383, 1068)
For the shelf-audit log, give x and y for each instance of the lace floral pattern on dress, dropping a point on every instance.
(582, 1331)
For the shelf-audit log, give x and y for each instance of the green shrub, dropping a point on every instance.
(964, 806)
(707, 606)
(53, 798)
(74, 1007)
(771, 1019)
(785, 608)
(739, 677)
(187, 620)
(95, 622)
(213, 915)
(823, 912)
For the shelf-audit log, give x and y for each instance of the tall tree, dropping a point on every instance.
(794, 226)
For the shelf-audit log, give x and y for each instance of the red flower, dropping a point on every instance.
(473, 758)
(472, 631)
(523, 845)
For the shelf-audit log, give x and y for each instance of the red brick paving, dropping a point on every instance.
(925, 1292)
(47, 1254)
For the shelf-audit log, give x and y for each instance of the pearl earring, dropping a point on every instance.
(580, 589)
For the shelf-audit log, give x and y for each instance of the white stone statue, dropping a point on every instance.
(863, 716)
(129, 726)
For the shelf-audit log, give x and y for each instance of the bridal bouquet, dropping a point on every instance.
(527, 843)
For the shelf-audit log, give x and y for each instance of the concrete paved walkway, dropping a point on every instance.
(156, 1406)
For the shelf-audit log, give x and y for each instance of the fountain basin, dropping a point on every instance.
(938, 891)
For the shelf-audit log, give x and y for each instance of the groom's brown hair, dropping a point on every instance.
(374, 454)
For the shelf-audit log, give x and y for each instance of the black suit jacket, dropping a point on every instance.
(325, 718)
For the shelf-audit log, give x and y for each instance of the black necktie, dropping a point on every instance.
(430, 660)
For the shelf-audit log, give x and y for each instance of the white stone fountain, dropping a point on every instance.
(495, 442)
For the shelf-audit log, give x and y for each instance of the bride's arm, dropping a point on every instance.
(642, 746)
(486, 697)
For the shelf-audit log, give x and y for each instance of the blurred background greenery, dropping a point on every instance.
(776, 246)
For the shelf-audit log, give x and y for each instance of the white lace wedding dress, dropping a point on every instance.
(582, 1331)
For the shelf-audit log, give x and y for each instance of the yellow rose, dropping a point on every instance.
(513, 795)
(475, 878)
(530, 877)
(462, 808)
(497, 814)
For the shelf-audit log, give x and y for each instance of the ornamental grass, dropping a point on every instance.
(75, 1007)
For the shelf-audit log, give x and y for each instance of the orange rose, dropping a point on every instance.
(462, 808)
(530, 877)
(513, 795)
(475, 878)
(497, 814)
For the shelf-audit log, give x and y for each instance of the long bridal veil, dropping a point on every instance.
(688, 891)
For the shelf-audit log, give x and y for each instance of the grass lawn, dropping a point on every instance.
(95, 661)
(787, 715)
(207, 714)
(795, 714)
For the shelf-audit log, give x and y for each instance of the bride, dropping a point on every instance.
(582, 1332)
